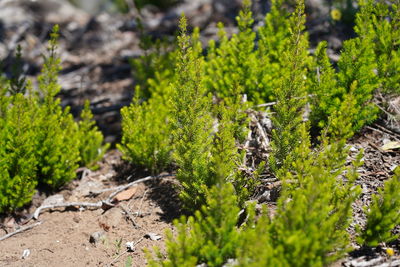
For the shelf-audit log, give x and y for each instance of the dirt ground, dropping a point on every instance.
(64, 236)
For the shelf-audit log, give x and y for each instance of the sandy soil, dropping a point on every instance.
(63, 238)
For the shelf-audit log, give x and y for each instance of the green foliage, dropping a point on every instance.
(210, 237)
(191, 125)
(17, 80)
(274, 41)
(17, 154)
(355, 77)
(308, 227)
(39, 141)
(58, 152)
(91, 148)
(205, 148)
(290, 95)
(314, 210)
(232, 68)
(379, 21)
(153, 69)
(146, 139)
(383, 214)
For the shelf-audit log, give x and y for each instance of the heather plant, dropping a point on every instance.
(355, 77)
(153, 69)
(191, 125)
(290, 96)
(273, 41)
(383, 215)
(91, 148)
(18, 159)
(58, 152)
(210, 236)
(232, 67)
(314, 209)
(17, 82)
(380, 22)
(146, 140)
(200, 140)
(41, 144)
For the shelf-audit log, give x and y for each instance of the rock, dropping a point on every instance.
(152, 236)
(54, 199)
(130, 246)
(111, 218)
(25, 253)
(15, 12)
(87, 184)
(96, 237)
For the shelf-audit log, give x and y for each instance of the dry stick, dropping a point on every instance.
(122, 188)
(141, 203)
(129, 215)
(275, 102)
(99, 204)
(116, 258)
(68, 204)
(95, 193)
(22, 229)
(374, 129)
(388, 131)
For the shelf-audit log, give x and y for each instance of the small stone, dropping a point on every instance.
(26, 253)
(112, 218)
(130, 246)
(53, 200)
(152, 236)
(96, 237)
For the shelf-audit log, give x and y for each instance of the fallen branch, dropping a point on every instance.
(129, 215)
(123, 253)
(20, 230)
(104, 204)
(124, 187)
(141, 203)
(69, 204)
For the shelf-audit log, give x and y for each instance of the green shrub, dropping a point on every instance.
(232, 68)
(314, 210)
(39, 141)
(91, 148)
(274, 41)
(152, 70)
(58, 149)
(290, 95)
(146, 139)
(200, 141)
(210, 237)
(18, 159)
(379, 21)
(191, 125)
(355, 76)
(383, 215)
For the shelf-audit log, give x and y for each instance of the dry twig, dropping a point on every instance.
(68, 204)
(20, 230)
(105, 204)
(129, 215)
(124, 187)
(140, 205)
